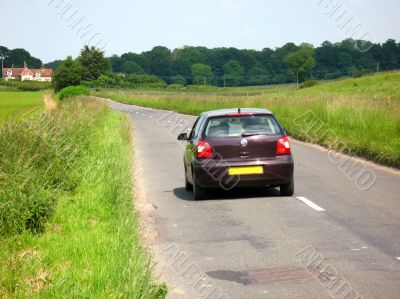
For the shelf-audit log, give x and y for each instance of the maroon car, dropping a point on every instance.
(237, 148)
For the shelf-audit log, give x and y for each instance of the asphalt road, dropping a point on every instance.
(337, 237)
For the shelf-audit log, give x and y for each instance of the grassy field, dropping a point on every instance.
(67, 223)
(14, 103)
(358, 116)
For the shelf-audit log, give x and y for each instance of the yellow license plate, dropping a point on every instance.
(246, 170)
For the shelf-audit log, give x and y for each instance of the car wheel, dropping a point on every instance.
(287, 189)
(199, 192)
(188, 186)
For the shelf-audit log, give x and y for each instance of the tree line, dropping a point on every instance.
(231, 66)
(227, 66)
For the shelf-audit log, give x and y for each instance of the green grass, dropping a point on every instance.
(14, 103)
(89, 246)
(383, 85)
(357, 116)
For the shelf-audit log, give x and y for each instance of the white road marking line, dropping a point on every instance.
(310, 204)
(137, 112)
(398, 258)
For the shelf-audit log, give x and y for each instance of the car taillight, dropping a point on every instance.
(204, 150)
(283, 146)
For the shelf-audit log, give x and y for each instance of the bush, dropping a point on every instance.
(356, 73)
(309, 83)
(175, 86)
(27, 85)
(72, 91)
(69, 73)
(178, 79)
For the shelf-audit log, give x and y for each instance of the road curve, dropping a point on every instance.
(337, 237)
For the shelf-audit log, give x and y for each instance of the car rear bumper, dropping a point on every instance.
(212, 174)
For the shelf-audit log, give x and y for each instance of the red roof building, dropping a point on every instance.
(25, 73)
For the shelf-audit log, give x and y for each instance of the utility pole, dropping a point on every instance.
(377, 67)
(204, 80)
(224, 82)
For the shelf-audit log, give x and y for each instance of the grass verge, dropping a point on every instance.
(356, 116)
(89, 244)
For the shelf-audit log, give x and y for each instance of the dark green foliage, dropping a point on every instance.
(131, 67)
(38, 164)
(178, 79)
(146, 80)
(72, 91)
(233, 73)
(69, 73)
(356, 73)
(309, 83)
(94, 63)
(176, 86)
(54, 64)
(332, 60)
(301, 62)
(17, 57)
(202, 74)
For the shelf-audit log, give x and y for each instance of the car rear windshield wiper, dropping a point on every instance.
(250, 134)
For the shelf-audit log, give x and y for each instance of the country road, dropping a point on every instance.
(333, 237)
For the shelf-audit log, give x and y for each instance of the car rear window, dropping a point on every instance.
(237, 126)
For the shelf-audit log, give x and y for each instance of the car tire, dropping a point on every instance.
(199, 193)
(287, 189)
(188, 186)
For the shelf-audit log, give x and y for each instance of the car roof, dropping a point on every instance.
(223, 112)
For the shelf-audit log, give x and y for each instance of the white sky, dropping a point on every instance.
(136, 26)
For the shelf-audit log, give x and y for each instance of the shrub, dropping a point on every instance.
(175, 86)
(69, 73)
(27, 85)
(73, 91)
(178, 79)
(356, 73)
(309, 83)
(143, 79)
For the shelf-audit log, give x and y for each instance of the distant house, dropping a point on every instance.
(25, 73)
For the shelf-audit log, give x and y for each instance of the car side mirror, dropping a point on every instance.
(183, 137)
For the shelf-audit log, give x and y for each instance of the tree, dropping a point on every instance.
(105, 80)
(389, 49)
(54, 64)
(17, 57)
(178, 79)
(69, 73)
(183, 59)
(202, 73)
(4, 52)
(301, 62)
(233, 72)
(257, 75)
(131, 67)
(94, 62)
(116, 63)
(160, 61)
